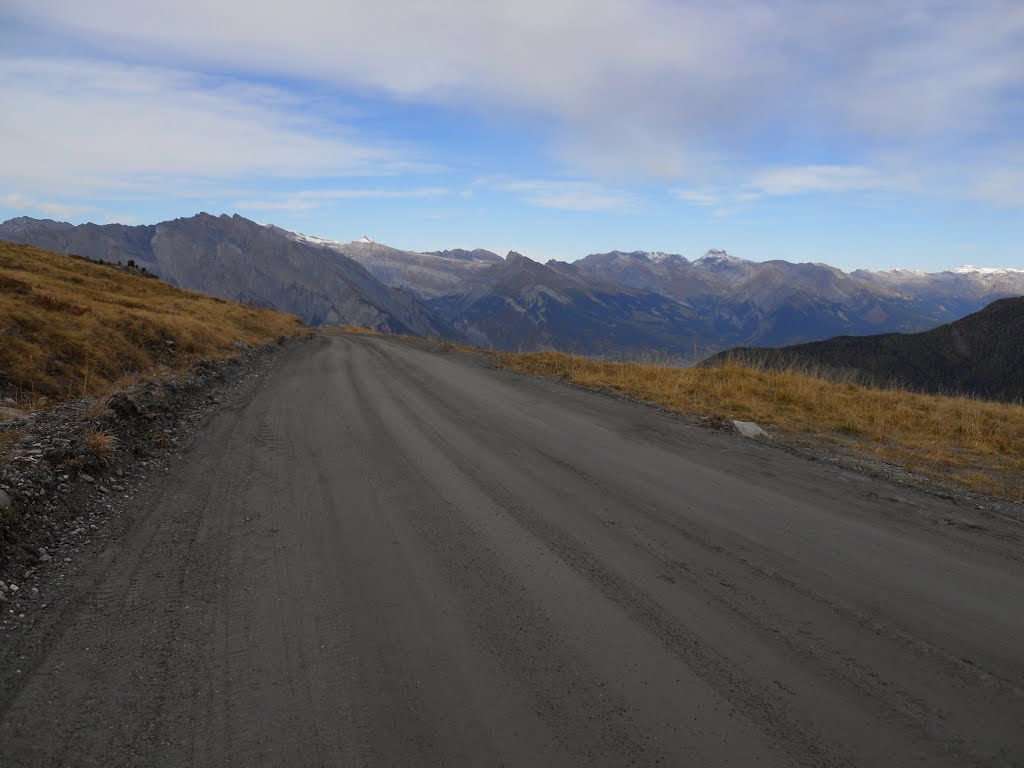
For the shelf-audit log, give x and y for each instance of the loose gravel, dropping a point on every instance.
(62, 497)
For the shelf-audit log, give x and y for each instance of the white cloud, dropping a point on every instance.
(783, 181)
(570, 195)
(86, 125)
(309, 199)
(628, 86)
(618, 90)
(702, 197)
(362, 194)
(796, 180)
(19, 202)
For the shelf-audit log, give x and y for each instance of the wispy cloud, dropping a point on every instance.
(570, 195)
(715, 197)
(309, 199)
(703, 197)
(86, 125)
(27, 204)
(707, 73)
(784, 181)
(797, 180)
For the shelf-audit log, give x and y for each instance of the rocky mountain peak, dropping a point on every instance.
(715, 257)
(26, 223)
(659, 257)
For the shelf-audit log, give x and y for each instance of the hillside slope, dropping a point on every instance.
(70, 327)
(981, 354)
(239, 260)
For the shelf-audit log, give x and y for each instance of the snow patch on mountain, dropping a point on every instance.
(718, 258)
(658, 257)
(970, 269)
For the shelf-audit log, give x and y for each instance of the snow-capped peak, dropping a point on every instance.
(314, 240)
(658, 257)
(366, 239)
(714, 256)
(311, 239)
(970, 269)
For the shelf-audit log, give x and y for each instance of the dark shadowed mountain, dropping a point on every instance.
(776, 302)
(519, 303)
(981, 354)
(611, 303)
(238, 259)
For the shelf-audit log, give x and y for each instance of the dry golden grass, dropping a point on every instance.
(974, 443)
(73, 328)
(453, 346)
(94, 410)
(161, 440)
(449, 346)
(99, 446)
(349, 329)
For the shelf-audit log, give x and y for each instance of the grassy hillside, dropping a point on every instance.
(977, 444)
(979, 355)
(70, 327)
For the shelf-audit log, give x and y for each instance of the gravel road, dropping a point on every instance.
(397, 556)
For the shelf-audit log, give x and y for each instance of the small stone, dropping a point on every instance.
(67, 559)
(5, 500)
(35, 591)
(13, 587)
(749, 429)
(88, 478)
(45, 558)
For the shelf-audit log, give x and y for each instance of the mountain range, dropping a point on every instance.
(979, 355)
(615, 304)
(239, 260)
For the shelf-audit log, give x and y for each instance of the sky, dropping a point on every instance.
(859, 134)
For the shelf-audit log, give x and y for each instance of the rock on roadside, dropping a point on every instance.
(748, 429)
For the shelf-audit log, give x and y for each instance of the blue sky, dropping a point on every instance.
(860, 134)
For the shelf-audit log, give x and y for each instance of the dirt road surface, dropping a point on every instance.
(393, 556)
